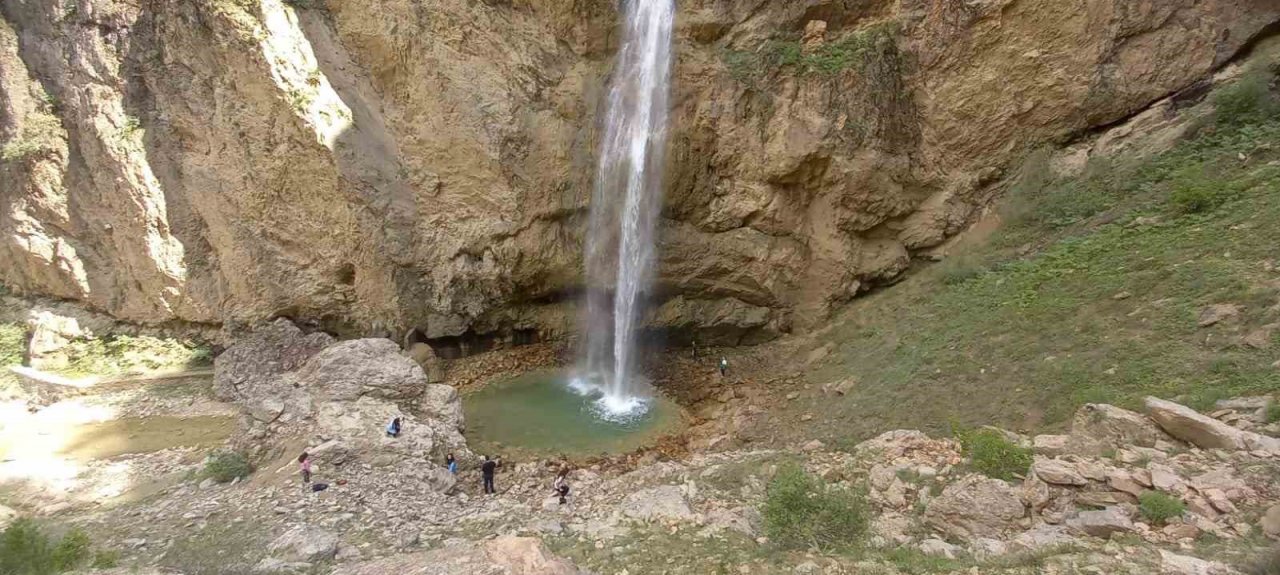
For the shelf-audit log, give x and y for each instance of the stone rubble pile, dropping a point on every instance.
(336, 398)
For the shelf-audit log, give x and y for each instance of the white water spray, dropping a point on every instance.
(625, 205)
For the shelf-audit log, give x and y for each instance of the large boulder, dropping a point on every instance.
(251, 368)
(1174, 564)
(502, 556)
(1114, 426)
(363, 367)
(304, 543)
(662, 503)
(441, 402)
(359, 427)
(1204, 431)
(1101, 523)
(976, 507)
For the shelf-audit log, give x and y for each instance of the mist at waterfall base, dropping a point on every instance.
(625, 203)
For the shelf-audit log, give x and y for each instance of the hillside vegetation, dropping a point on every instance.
(1091, 290)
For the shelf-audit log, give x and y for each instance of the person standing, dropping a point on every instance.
(724, 367)
(304, 465)
(451, 463)
(561, 485)
(487, 469)
(695, 350)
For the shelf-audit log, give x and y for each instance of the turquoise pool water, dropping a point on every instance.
(539, 414)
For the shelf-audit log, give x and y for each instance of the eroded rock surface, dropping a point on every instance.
(368, 166)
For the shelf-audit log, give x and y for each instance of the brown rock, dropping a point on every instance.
(1121, 480)
(1217, 313)
(1115, 426)
(1057, 472)
(1179, 531)
(1270, 522)
(974, 507)
(1205, 432)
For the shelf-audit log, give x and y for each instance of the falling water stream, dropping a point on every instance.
(624, 208)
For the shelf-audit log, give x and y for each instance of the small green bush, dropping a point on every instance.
(13, 339)
(994, 456)
(225, 466)
(801, 512)
(41, 132)
(960, 269)
(26, 550)
(1267, 563)
(1158, 507)
(1249, 100)
(1273, 413)
(1195, 191)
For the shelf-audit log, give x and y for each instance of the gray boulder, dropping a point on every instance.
(1114, 426)
(976, 507)
(1204, 431)
(362, 367)
(304, 544)
(441, 402)
(662, 503)
(1101, 523)
(504, 555)
(251, 368)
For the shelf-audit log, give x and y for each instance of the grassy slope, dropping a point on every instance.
(993, 336)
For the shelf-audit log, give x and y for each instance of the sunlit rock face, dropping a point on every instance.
(405, 165)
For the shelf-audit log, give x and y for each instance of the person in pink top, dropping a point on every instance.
(304, 463)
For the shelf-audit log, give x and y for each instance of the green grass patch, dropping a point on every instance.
(1022, 330)
(1159, 508)
(224, 466)
(41, 133)
(1267, 562)
(800, 511)
(13, 343)
(25, 549)
(1272, 414)
(128, 354)
(991, 454)
(851, 52)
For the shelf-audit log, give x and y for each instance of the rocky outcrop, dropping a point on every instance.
(339, 396)
(409, 166)
(507, 555)
(1204, 431)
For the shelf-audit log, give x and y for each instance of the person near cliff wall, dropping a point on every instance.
(488, 469)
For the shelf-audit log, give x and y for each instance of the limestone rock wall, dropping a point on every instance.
(425, 165)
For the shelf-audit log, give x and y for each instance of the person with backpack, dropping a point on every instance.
(724, 367)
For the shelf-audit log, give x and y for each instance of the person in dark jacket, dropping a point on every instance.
(488, 468)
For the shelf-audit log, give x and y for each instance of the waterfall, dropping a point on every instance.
(624, 206)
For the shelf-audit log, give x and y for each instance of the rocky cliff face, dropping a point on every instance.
(425, 166)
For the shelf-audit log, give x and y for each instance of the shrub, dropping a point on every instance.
(13, 339)
(1273, 413)
(991, 454)
(1195, 191)
(960, 269)
(225, 466)
(26, 550)
(1159, 507)
(41, 132)
(1268, 563)
(800, 512)
(1249, 100)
